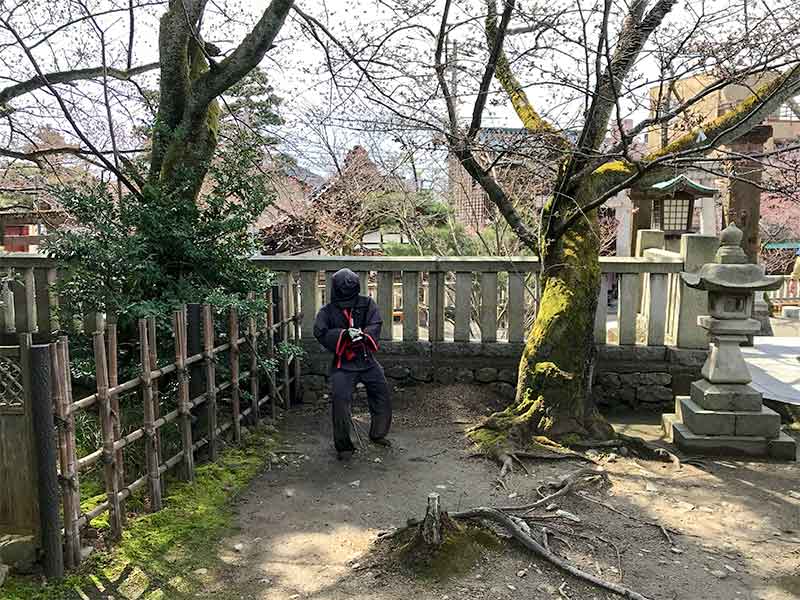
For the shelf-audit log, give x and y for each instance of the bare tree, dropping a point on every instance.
(590, 65)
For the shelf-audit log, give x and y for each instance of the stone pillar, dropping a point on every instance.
(696, 251)
(624, 214)
(644, 208)
(708, 215)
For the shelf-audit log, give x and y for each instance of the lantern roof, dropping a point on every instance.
(682, 183)
(731, 272)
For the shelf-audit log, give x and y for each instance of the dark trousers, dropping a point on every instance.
(343, 384)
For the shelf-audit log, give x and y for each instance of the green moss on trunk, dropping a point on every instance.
(552, 401)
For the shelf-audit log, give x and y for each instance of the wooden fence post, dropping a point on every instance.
(296, 335)
(184, 402)
(270, 331)
(233, 336)
(151, 452)
(107, 427)
(67, 452)
(47, 480)
(116, 411)
(211, 382)
(152, 335)
(280, 295)
(252, 337)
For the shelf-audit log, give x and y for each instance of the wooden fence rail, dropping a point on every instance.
(278, 389)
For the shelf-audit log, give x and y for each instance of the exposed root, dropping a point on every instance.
(664, 530)
(511, 525)
(562, 487)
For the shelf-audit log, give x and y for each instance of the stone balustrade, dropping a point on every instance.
(463, 319)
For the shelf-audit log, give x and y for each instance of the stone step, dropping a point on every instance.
(783, 447)
(721, 396)
(764, 423)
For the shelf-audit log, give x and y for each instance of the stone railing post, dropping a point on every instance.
(696, 250)
(645, 240)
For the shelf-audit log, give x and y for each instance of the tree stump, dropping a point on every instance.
(431, 528)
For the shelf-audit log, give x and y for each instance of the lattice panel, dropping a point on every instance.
(11, 390)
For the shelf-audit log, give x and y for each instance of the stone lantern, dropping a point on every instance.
(724, 415)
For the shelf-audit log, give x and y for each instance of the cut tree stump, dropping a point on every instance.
(432, 523)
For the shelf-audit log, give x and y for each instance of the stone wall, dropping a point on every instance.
(638, 377)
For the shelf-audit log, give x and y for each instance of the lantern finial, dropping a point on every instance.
(730, 248)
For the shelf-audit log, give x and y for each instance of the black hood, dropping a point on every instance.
(345, 288)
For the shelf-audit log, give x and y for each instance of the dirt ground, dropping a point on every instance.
(307, 526)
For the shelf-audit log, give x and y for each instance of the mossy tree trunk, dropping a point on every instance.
(185, 133)
(553, 393)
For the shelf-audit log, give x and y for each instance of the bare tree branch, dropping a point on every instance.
(45, 80)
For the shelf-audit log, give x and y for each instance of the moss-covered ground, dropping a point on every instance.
(160, 553)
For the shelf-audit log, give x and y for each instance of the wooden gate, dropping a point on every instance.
(19, 508)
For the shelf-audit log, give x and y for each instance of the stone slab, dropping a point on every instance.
(718, 445)
(722, 396)
(783, 447)
(667, 419)
(766, 423)
(703, 421)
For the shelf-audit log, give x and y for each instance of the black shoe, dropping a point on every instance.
(381, 442)
(345, 455)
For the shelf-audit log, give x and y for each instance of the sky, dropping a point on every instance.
(316, 110)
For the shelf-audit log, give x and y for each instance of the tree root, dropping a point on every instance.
(562, 487)
(664, 530)
(512, 526)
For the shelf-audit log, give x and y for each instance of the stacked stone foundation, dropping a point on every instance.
(625, 377)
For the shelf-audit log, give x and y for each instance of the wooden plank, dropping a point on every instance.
(627, 308)
(179, 331)
(461, 333)
(410, 306)
(385, 303)
(211, 382)
(308, 290)
(516, 306)
(107, 429)
(150, 449)
(488, 307)
(436, 288)
(657, 310)
(233, 362)
(600, 316)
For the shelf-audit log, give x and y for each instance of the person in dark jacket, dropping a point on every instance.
(350, 326)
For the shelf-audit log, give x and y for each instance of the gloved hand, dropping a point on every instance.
(355, 334)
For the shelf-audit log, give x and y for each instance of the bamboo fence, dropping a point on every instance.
(282, 324)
